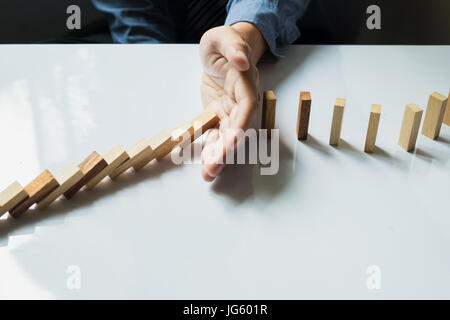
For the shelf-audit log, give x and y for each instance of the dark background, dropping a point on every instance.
(326, 22)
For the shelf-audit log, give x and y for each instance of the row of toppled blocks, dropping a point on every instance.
(437, 113)
(46, 188)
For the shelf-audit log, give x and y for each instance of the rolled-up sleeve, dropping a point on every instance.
(275, 19)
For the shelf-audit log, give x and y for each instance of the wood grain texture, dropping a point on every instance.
(66, 178)
(90, 167)
(268, 112)
(36, 190)
(206, 120)
(372, 129)
(304, 110)
(13, 195)
(183, 133)
(447, 111)
(161, 144)
(140, 153)
(434, 115)
(114, 158)
(410, 127)
(336, 124)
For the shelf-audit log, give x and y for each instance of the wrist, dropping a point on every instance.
(254, 38)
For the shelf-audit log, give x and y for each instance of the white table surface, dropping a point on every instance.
(311, 231)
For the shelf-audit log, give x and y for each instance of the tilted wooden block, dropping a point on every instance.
(268, 112)
(434, 115)
(182, 133)
(139, 153)
(372, 129)
(447, 111)
(36, 190)
(114, 158)
(90, 167)
(161, 144)
(11, 197)
(410, 127)
(66, 178)
(304, 110)
(336, 125)
(206, 120)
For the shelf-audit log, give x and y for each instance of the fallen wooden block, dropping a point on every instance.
(13, 195)
(447, 111)
(139, 153)
(410, 127)
(372, 129)
(304, 110)
(90, 167)
(268, 112)
(336, 125)
(206, 120)
(114, 158)
(434, 115)
(66, 178)
(161, 144)
(182, 133)
(36, 190)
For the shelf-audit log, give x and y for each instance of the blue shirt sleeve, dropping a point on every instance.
(275, 19)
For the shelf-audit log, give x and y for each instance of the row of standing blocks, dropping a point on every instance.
(436, 114)
(46, 188)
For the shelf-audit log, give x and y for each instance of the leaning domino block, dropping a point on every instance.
(434, 115)
(114, 158)
(268, 112)
(207, 120)
(336, 125)
(36, 190)
(139, 153)
(161, 144)
(90, 167)
(11, 197)
(182, 133)
(66, 179)
(304, 110)
(410, 127)
(447, 111)
(372, 129)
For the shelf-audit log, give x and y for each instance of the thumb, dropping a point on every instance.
(237, 57)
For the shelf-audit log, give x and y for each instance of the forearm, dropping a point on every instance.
(251, 34)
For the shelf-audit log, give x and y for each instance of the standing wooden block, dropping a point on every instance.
(304, 110)
(139, 153)
(207, 120)
(447, 112)
(182, 133)
(161, 144)
(66, 179)
(114, 158)
(11, 197)
(268, 112)
(90, 167)
(372, 129)
(36, 190)
(336, 125)
(434, 115)
(410, 127)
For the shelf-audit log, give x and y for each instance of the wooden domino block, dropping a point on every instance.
(447, 111)
(36, 190)
(161, 144)
(304, 109)
(114, 158)
(206, 120)
(410, 127)
(372, 129)
(336, 125)
(434, 115)
(268, 112)
(139, 153)
(11, 197)
(182, 133)
(90, 167)
(66, 178)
